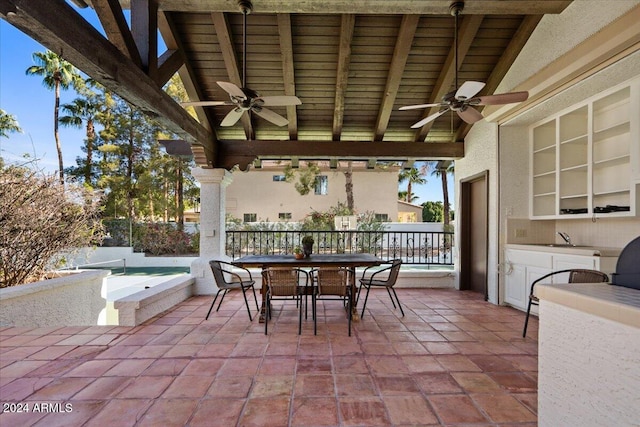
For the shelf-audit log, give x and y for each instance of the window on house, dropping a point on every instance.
(284, 215)
(321, 185)
(382, 217)
(250, 217)
(279, 178)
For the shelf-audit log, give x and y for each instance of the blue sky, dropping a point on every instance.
(32, 104)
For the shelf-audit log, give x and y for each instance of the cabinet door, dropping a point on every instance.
(564, 262)
(533, 274)
(515, 287)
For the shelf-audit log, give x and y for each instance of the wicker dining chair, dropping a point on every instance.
(332, 283)
(575, 276)
(228, 280)
(283, 283)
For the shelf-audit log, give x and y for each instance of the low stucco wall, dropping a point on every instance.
(142, 306)
(74, 299)
(588, 369)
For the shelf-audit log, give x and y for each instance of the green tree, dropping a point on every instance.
(412, 176)
(432, 211)
(57, 74)
(8, 124)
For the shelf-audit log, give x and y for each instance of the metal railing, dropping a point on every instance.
(419, 247)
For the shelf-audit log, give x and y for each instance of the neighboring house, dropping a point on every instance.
(262, 194)
(408, 212)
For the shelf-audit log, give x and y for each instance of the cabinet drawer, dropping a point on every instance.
(532, 258)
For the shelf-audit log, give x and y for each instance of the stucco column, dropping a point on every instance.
(213, 185)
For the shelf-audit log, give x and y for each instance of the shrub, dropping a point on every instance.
(39, 219)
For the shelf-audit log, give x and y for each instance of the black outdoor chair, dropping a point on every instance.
(221, 275)
(378, 279)
(575, 276)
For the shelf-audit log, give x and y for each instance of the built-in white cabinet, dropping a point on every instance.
(585, 161)
(523, 267)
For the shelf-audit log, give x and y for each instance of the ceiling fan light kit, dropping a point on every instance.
(462, 99)
(245, 99)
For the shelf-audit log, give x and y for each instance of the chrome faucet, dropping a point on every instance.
(565, 237)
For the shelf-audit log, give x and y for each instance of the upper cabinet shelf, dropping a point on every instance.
(585, 161)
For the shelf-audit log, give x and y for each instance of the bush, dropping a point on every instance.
(39, 219)
(164, 239)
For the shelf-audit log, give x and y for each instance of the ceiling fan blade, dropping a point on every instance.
(232, 89)
(417, 107)
(205, 103)
(502, 98)
(470, 115)
(279, 101)
(428, 119)
(232, 117)
(269, 115)
(468, 90)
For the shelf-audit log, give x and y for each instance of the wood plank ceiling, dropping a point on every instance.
(351, 62)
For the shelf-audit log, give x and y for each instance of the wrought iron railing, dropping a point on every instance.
(413, 247)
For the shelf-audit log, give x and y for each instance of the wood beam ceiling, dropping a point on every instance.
(347, 26)
(244, 153)
(286, 50)
(391, 7)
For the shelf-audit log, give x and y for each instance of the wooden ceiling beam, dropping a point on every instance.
(144, 28)
(347, 26)
(468, 29)
(168, 64)
(243, 153)
(395, 7)
(203, 158)
(396, 69)
(223, 31)
(288, 74)
(58, 27)
(116, 28)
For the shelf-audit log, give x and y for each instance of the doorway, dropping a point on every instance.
(474, 219)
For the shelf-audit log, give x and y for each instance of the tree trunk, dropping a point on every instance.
(180, 196)
(348, 186)
(91, 137)
(409, 191)
(445, 196)
(130, 151)
(56, 135)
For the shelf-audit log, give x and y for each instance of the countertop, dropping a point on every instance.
(571, 250)
(611, 302)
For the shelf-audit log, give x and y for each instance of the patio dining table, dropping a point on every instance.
(350, 261)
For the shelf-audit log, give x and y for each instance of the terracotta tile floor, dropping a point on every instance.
(452, 360)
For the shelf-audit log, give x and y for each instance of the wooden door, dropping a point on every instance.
(473, 237)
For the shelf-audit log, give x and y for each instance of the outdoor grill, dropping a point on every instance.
(628, 267)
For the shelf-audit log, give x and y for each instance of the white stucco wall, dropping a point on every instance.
(481, 155)
(256, 192)
(504, 153)
(587, 369)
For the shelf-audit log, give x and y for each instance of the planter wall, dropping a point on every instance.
(72, 300)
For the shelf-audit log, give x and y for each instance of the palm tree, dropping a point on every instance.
(57, 73)
(442, 169)
(79, 111)
(412, 176)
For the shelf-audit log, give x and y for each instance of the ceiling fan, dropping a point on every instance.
(463, 98)
(245, 99)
